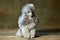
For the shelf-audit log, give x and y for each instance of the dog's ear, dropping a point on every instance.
(38, 20)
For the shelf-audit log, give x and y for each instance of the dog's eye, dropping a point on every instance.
(28, 11)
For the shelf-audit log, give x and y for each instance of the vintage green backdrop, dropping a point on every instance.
(48, 12)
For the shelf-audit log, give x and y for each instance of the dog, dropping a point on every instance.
(27, 22)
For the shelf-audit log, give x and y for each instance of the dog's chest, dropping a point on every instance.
(30, 20)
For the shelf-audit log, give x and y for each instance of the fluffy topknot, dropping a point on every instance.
(27, 7)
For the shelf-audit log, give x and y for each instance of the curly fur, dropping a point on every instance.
(27, 22)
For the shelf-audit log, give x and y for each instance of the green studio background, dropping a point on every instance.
(48, 12)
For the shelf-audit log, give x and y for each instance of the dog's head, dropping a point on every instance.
(28, 10)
